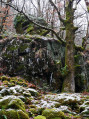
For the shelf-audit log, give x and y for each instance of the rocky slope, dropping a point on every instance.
(18, 100)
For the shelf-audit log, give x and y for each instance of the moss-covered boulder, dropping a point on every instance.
(53, 113)
(33, 92)
(36, 58)
(41, 60)
(40, 117)
(12, 107)
(11, 102)
(13, 114)
(8, 81)
(23, 25)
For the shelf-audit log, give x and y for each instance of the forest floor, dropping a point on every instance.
(26, 101)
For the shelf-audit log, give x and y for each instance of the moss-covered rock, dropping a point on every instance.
(40, 117)
(22, 24)
(34, 58)
(13, 114)
(13, 81)
(33, 92)
(11, 102)
(53, 113)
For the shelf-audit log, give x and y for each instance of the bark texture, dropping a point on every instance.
(69, 83)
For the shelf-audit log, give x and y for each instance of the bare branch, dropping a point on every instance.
(44, 27)
(59, 15)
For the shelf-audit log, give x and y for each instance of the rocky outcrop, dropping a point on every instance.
(36, 58)
(23, 25)
(41, 60)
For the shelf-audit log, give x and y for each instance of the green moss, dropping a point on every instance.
(12, 48)
(18, 19)
(40, 117)
(17, 104)
(64, 70)
(9, 81)
(13, 114)
(32, 106)
(4, 78)
(23, 25)
(33, 110)
(57, 118)
(22, 47)
(52, 113)
(11, 102)
(30, 28)
(36, 110)
(23, 115)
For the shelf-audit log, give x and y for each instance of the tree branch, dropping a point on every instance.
(44, 27)
(59, 15)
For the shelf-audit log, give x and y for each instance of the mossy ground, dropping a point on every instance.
(12, 81)
(34, 105)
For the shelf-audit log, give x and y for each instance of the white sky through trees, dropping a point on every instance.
(80, 13)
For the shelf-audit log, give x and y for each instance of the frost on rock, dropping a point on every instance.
(11, 102)
(64, 96)
(32, 91)
(47, 104)
(85, 107)
(18, 90)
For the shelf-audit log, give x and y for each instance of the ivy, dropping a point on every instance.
(64, 70)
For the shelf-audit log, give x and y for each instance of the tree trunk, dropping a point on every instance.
(69, 83)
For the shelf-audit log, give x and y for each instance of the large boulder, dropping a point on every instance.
(23, 25)
(41, 60)
(11, 102)
(36, 58)
(11, 107)
(54, 114)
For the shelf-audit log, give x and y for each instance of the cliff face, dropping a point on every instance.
(33, 57)
(40, 60)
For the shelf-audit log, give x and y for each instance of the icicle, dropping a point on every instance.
(37, 60)
(47, 52)
(51, 78)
